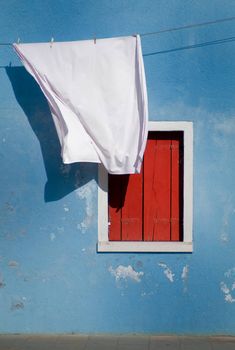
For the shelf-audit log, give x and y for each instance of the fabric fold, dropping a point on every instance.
(97, 96)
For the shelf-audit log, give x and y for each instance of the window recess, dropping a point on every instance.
(151, 211)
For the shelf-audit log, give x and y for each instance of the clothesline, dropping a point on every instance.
(189, 26)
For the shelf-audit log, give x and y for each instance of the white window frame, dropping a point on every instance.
(104, 245)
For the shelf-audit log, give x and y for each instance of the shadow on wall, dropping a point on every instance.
(61, 178)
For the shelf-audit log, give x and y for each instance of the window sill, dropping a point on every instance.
(163, 247)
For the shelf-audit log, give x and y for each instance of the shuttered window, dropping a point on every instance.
(149, 206)
(151, 211)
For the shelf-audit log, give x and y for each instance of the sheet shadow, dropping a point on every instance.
(61, 178)
(117, 188)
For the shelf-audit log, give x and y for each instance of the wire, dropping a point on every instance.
(189, 26)
(194, 46)
(194, 25)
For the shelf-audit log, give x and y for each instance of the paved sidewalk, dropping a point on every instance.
(114, 342)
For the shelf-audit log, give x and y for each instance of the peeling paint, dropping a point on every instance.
(224, 237)
(126, 272)
(146, 294)
(227, 293)
(230, 273)
(83, 226)
(229, 298)
(66, 208)
(52, 237)
(13, 264)
(60, 229)
(224, 288)
(167, 271)
(184, 277)
(228, 211)
(185, 272)
(86, 192)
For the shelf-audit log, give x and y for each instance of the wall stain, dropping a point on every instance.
(13, 264)
(139, 263)
(2, 284)
(18, 305)
(23, 232)
(9, 207)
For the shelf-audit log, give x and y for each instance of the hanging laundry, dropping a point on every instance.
(97, 95)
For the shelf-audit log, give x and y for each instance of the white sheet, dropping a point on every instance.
(97, 96)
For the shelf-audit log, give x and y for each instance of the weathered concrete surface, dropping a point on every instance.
(114, 342)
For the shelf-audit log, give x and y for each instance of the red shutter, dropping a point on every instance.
(115, 199)
(163, 187)
(149, 206)
(157, 189)
(125, 207)
(175, 190)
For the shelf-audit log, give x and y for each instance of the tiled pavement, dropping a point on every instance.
(114, 342)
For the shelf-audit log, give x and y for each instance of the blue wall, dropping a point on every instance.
(51, 277)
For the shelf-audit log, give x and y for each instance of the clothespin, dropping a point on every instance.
(52, 40)
(94, 40)
(18, 41)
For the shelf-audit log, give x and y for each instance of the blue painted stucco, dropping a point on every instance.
(51, 277)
